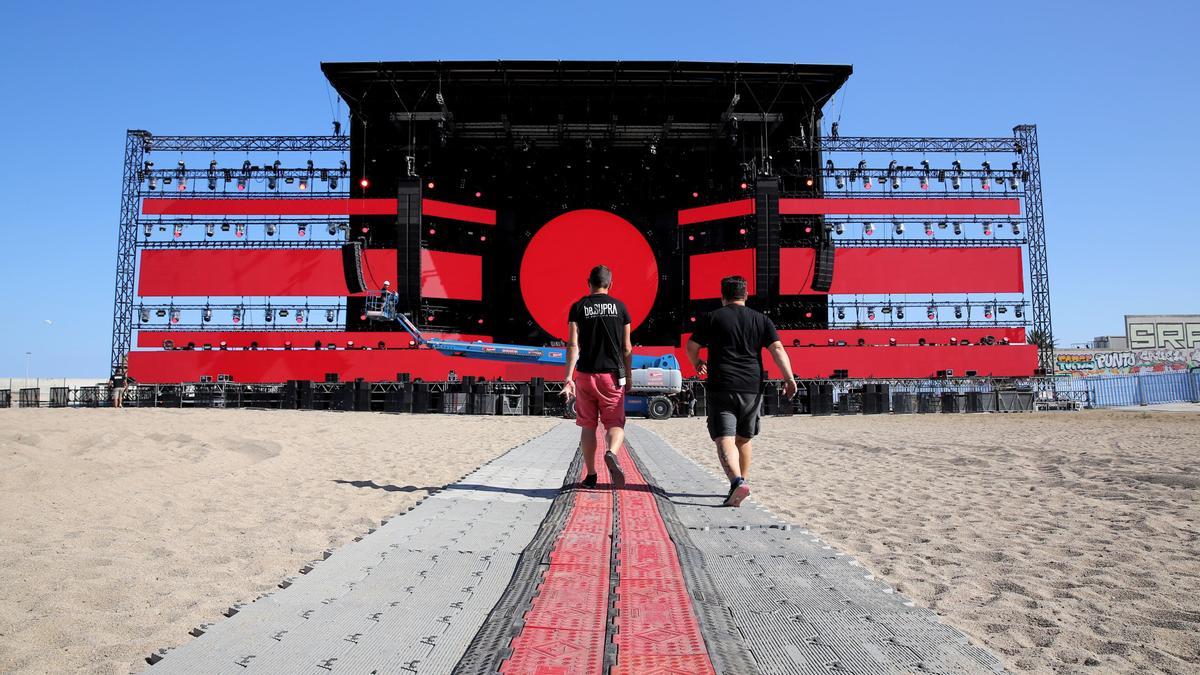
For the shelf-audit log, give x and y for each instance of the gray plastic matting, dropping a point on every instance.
(409, 597)
(775, 598)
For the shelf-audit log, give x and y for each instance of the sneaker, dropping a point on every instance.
(589, 481)
(614, 469)
(738, 493)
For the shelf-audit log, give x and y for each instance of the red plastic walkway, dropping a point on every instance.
(656, 630)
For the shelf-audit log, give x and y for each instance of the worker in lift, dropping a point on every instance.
(389, 299)
(599, 364)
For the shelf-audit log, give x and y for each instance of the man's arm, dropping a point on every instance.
(628, 350)
(693, 354)
(572, 357)
(780, 356)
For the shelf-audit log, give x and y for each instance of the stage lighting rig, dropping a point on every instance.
(147, 229)
(924, 174)
(174, 315)
(928, 229)
(237, 315)
(152, 180)
(841, 313)
(239, 230)
(210, 230)
(958, 229)
(271, 229)
(987, 229)
(302, 230)
(957, 312)
(898, 227)
(299, 316)
(143, 314)
(1019, 312)
(986, 181)
(1013, 183)
(268, 314)
(212, 175)
(900, 313)
(330, 315)
(868, 229)
(956, 181)
(206, 314)
(273, 178)
(839, 229)
(181, 175)
(178, 230)
(870, 313)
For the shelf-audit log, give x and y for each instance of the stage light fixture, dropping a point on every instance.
(303, 183)
(924, 183)
(160, 313)
(241, 183)
(829, 166)
(931, 312)
(956, 182)
(866, 182)
(957, 312)
(302, 230)
(1013, 183)
(1019, 311)
(271, 180)
(178, 230)
(1004, 340)
(808, 181)
(1016, 229)
(1001, 309)
(207, 314)
(898, 227)
(299, 316)
(887, 309)
(943, 225)
(332, 230)
(928, 229)
(144, 314)
(870, 313)
(953, 340)
(181, 175)
(987, 229)
(924, 174)
(364, 183)
(239, 230)
(841, 313)
(957, 229)
(941, 175)
(986, 181)
(330, 315)
(839, 228)
(840, 182)
(223, 344)
(891, 342)
(899, 312)
(210, 230)
(868, 229)
(271, 229)
(147, 229)
(283, 313)
(212, 175)
(987, 311)
(268, 314)
(237, 315)
(174, 316)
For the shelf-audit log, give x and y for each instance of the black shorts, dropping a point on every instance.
(732, 413)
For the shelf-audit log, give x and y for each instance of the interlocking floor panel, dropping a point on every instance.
(410, 596)
(799, 605)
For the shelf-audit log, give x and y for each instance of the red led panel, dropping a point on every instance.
(296, 272)
(907, 270)
(706, 270)
(234, 272)
(278, 206)
(904, 336)
(703, 214)
(470, 214)
(900, 206)
(456, 276)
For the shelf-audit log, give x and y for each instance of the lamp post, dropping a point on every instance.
(28, 356)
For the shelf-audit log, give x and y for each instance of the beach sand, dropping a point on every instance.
(120, 531)
(1065, 542)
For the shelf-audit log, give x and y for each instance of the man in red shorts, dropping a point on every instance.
(599, 361)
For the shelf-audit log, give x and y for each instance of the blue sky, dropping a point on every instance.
(1112, 87)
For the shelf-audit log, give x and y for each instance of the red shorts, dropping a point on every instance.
(598, 397)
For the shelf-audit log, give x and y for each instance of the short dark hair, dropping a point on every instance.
(733, 288)
(600, 277)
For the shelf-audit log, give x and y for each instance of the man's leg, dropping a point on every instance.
(587, 443)
(727, 454)
(744, 452)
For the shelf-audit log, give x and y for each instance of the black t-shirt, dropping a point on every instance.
(735, 336)
(601, 319)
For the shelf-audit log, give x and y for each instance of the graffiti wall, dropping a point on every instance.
(1125, 362)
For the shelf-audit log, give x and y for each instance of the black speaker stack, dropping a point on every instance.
(820, 399)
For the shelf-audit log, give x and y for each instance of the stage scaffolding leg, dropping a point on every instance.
(122, 330)
(1039, 270)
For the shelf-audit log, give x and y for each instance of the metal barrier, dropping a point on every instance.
(59, 397)
(1148, 389)
(5, 398)
(31, 397)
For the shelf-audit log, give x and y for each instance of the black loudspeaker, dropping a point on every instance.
(343, 397)
(362, 395)
(352, 267)
(304, 395)
(290, 390)
(870, 399)
(331, 377)
(823, 267)
(771, 401)
(820, 399)
(537, 396)
(883, 399)
(840, 374)
(420, 397)
(403, 377)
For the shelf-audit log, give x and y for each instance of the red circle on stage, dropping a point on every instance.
(556, 264)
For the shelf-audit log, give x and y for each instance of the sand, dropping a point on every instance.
(122, 530)
(1065, 542)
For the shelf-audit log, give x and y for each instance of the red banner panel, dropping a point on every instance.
(307, 364)
(703, 214)
(278, 206)
(900, 206)
(907, 270)
(707, 269)
(470, 214)
(266, 339)
(296, 272)
(455, 276)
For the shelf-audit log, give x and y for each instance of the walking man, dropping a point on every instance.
(735, 336)
(599, 362)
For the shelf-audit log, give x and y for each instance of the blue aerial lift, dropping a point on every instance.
(653, 380)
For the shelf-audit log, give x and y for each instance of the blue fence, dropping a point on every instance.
(1121, 390)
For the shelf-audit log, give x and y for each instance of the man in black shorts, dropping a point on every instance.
(735, 336)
